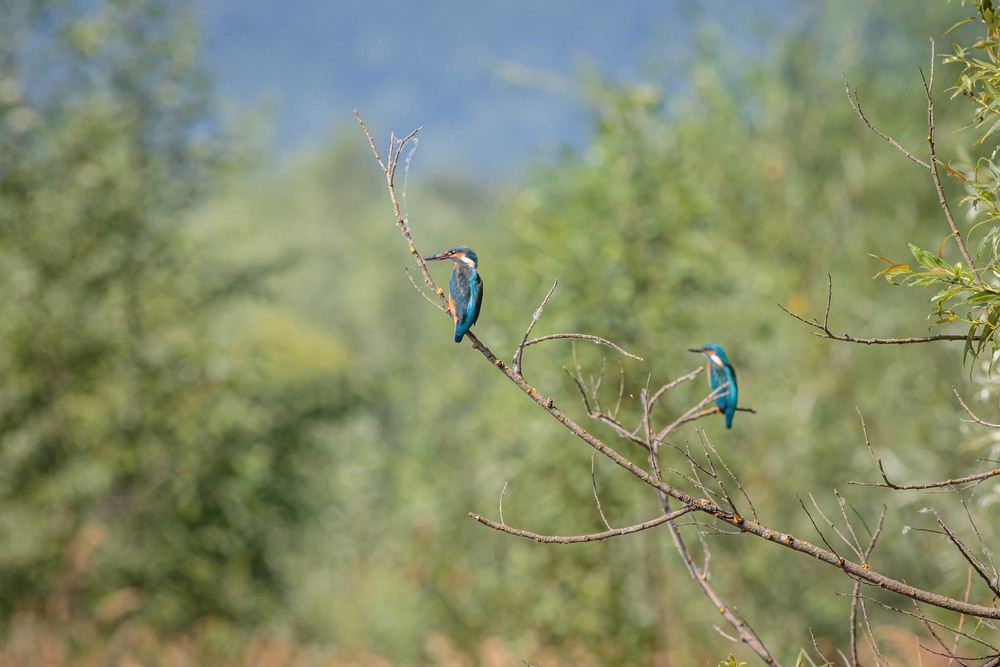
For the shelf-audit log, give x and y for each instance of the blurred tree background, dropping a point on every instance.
(229, 424)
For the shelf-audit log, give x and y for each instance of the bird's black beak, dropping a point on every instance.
(434, 257)
(698, 350)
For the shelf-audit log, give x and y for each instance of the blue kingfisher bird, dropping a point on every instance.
(720, 373)
(465, 288)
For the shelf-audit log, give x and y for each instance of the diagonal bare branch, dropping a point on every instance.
(852, 97)
(972, 414)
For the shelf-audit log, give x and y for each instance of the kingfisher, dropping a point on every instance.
(720, 373)
(465, 288)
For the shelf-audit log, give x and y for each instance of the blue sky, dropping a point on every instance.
(488, 79)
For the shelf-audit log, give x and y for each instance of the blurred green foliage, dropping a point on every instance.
(223, 399)
(967, 289)
(145, 444)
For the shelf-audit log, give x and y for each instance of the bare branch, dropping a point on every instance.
(852, 97)
(973, 479)
(694, 413)
(857, 589)
(673, 383)
(502, 491)
(722, 516)
(594, 339)
(420, 291)
(851, 545)
(850, 526)
(822, 329)
(593, 483)
(870, 636)
(732, 475)
(819, 532)
(389, 169)
(715, 473)
(590, 537)
(920, 616)
(970, 413)
(816, 648)
(745, 632)
(978, 565)
(534, 320)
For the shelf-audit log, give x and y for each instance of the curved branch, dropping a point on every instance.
(822, 329)
(595, 339)
(887, 484)
(852, 97)
(972, 414)
(576, 539)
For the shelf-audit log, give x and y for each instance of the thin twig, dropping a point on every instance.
(924, 618)
(595, 339)
(516, 363)
(590, 537)
(673, 383)
(887, 484)
(936, 176)
(732, 475)
(852, 97)
(856, 549)
(822, 329)
(819, 532)
(714, 474)
(857, 589)
(970, 558)
(700, 576)
(961, 619)
(970, 413)
(593, 483)
(502, 491)
(420, 291)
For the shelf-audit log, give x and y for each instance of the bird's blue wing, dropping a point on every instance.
(732, 394)
(466, 291)
(477, 299)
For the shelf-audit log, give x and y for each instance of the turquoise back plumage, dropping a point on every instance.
(721, 372)
(465, 288)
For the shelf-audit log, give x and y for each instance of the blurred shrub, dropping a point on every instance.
(157, 449)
